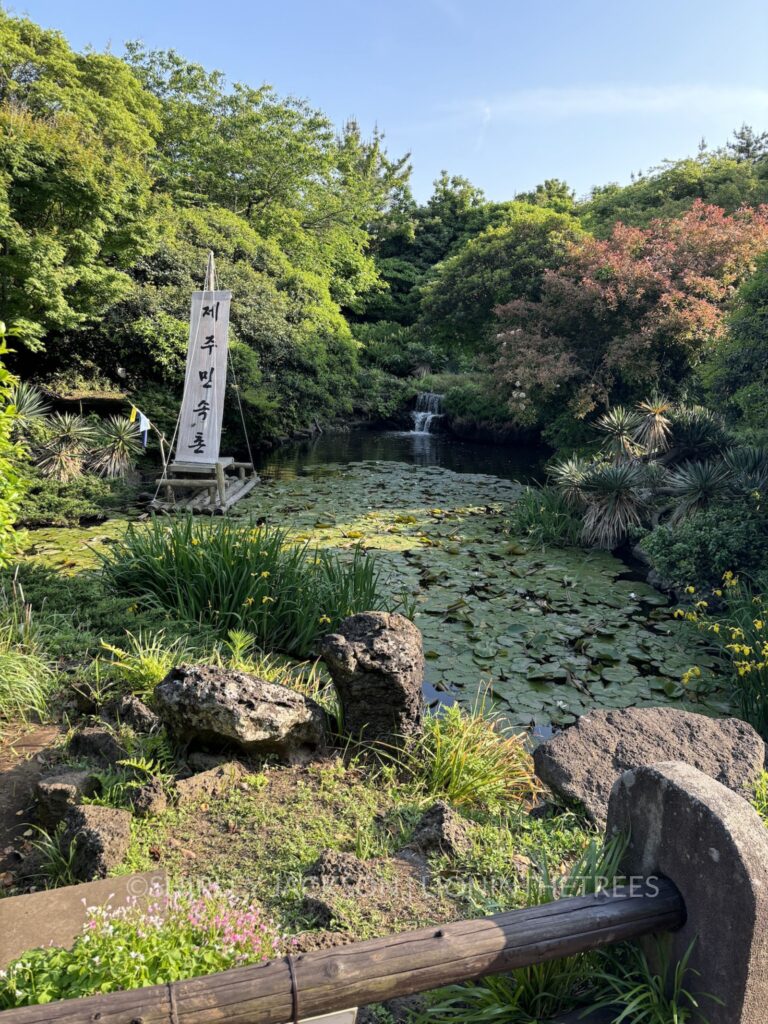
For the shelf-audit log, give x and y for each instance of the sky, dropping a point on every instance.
(505, 92)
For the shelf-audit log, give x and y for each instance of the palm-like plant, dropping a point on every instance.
(68, 438)
(31, 408)
(568, 477)
(749, 466)
(621, 426)
(115, 448)
(655, 427)
(696, 485)
(615, 503)
(697, 433)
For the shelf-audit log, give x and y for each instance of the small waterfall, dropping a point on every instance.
(428, 406)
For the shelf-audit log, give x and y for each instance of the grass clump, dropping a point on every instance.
(543, 515)
(26, 678)
(466, 758)
(234, 576)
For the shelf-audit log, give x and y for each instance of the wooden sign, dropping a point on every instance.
(202, 406)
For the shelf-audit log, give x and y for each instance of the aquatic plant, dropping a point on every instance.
(233, 575)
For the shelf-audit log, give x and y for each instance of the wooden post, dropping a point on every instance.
(222, 482)
(368, 972)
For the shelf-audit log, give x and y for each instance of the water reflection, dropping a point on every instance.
(513, 462)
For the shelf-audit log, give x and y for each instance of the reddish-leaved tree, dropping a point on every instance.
(628, 313)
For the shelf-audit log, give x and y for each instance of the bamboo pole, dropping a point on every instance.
(367, 972)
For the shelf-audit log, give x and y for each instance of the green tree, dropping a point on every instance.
(75, 208)
(499, 265)
(736, 376)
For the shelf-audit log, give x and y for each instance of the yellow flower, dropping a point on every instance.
(758, 623)
(679, 613)
(267, 600)
(715, 628)
(717, 593)
(248, 601)
(195, 540)
(324, 619)
(702, 604)
(690, 590)
(266, 574)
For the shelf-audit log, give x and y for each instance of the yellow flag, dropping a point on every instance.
(134, 413)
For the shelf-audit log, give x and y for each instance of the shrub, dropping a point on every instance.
(698, 550)
(178, 936)
(236, 576)
(465, 757)
(51, 502)
(544, 516)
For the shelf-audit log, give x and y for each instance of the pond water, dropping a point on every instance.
(509, 462)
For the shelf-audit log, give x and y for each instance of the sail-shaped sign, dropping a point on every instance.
(202, 407)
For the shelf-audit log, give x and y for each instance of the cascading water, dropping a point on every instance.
(428, 409)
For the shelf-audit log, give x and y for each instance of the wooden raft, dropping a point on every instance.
(204, 487)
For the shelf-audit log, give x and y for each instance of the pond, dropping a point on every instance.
(547, 634)
(521, 462)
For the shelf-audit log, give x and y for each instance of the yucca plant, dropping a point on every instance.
(696, 485)
(568, 477)
(749, 467)
(697, 433)
(31, 408)
(116, 447)
(655, 427)
(620, 426)
(66, 445)
(616, 503)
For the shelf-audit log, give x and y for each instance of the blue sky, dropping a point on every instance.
(506, 92)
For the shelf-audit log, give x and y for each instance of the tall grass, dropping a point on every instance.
(26, 678)
(235, 576)
(544, 516)
(466, 758)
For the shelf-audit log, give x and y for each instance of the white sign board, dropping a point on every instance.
(202, 406)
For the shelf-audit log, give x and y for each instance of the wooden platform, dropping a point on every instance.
(204, 487)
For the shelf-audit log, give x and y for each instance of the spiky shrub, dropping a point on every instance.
(697, 485)
(655, 427)
(544, 516)
(568, 476)
(615, 503)
(232, 575)
(697, 433)
(68, 439)
(31, 408)
(620, 427)
(749, 467)
(467, 758)
(115, 447)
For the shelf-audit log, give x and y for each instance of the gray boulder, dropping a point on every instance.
(583, 762)
(55, 794)
(441, 830)
(376, 660)
(97, 744)
(129, 710)
(150, 799)
(100, 836)
(224, 708)
(211, 784)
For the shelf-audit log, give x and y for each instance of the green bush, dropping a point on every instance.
(178, 936)
(699, 549)
(230, 575)
(26, 679)
(50, 502)
(543, 515)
